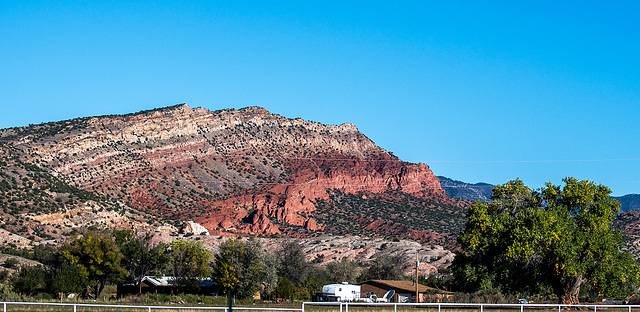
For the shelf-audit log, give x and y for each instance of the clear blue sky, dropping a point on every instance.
(479, 90)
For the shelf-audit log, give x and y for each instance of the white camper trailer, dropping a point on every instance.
(341, 292)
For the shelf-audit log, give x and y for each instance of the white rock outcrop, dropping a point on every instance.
(191, 227)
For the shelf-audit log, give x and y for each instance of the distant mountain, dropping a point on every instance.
(482, 192)
(629, 202)
(473, 192)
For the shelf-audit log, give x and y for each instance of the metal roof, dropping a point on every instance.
(405, 286)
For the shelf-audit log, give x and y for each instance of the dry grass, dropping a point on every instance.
(86, 308)
(390, 308)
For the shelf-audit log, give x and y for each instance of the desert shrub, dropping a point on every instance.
(28, 280)
(43, 297)
(4, 275)
(11, 263)
(7, 294)
(483, 296)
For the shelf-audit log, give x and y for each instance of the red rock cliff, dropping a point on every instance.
(231, 170)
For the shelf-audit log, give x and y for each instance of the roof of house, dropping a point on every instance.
(405, 286)
(158, 281)
(166, 281)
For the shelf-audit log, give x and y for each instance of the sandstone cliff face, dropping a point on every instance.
(233, 171)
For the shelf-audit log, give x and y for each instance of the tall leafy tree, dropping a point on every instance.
(345, 270)
(28, 280)
(142, 256)
(242, 268)
(555, 239)
(187, 262)
(68, 278)
(384, 267)
(292, 263)
(97, 258)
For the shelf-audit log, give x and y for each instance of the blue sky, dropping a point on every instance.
(479, 90)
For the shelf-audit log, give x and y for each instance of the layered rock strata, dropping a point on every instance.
(233, 171)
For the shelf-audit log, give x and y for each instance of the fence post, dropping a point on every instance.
(439, 307)
(340, 306)
(559, 308)
(74, 307)
(346, 307)
(395, 307)
(149, 308)
(522, 308)
(481, 307)
(303, 307)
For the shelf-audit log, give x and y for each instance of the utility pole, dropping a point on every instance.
(417, 291)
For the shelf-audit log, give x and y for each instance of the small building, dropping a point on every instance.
(405, 291)
(162, 285)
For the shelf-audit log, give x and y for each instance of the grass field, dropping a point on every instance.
(469, 308)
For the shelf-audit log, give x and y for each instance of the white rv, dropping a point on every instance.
(341, 292)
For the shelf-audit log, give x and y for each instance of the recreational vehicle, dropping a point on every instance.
(341, 292)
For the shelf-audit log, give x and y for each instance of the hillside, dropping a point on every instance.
(629, 223)
(237, 172)
(392, 214)
(629, 202)
(37, 205)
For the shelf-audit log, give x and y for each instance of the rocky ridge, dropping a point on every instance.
(236, 172)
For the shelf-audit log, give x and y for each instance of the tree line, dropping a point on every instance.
(557, 241)
(94, 259)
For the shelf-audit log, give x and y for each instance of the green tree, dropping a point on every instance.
(384, 267)
(68, 278)
(142, 257)
(7, 293)
(98, 258)
(242, 268)
(284, 289)
(555, 239)
(51, 261)
(292, 263)
(28, 280)
(4, 275)
(311, 285)
(345, 270)
(187, 262)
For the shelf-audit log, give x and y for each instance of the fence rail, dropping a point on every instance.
(341, 306)
(344, 306)
(148, 308)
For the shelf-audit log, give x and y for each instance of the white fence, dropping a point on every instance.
(74, 306)
(344, 306)
(341, 307)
